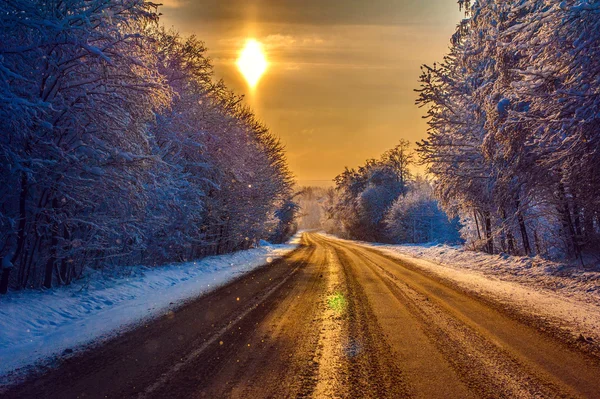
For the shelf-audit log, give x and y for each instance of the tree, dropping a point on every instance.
(417, 218)
(379, 200)
(511, 124)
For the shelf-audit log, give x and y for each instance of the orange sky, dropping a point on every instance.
(340, 85)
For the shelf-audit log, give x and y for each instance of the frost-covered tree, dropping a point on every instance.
(80, 86)
(513, 116)
(312, 204)
(417, 218)
(119, 148)
(286, 221)
(377, 201)
(383, 187)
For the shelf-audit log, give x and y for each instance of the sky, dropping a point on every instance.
(342, 73)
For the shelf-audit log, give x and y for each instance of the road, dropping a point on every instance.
(331, 320)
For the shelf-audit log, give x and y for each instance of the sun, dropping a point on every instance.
(252, 62)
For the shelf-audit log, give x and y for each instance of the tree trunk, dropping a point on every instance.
(509, 235)
(477, 224)
(524, 236)
(523, 228)
(65, 269)
(51, 260)
(4, 280)
(569, 230)
(510, 239)
(488, 233)
(588, 225)
(20, 234)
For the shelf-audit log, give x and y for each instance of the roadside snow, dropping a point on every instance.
(36, 326)
(564, 279)
(567, 296)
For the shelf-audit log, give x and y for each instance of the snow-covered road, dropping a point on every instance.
(36, 326)
(567, 297)
(333, 319)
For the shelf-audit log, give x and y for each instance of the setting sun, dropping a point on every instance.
(252, 62)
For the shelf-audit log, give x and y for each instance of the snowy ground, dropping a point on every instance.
(564, 295)
(565, 279)
(36, 326)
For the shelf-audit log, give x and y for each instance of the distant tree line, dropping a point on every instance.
(381, 201)
(514, 126)
(311, 202)
(119, 148)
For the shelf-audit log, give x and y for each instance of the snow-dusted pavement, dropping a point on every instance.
(332, 320)
(566, 297)
(35, 326)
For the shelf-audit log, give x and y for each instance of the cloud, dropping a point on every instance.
(317, 12)
(276, 41)
(340, 88)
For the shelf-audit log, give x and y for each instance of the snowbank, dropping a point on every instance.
(565, 279)
(35, 326)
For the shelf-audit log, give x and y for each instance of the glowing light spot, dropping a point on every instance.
(252, 62)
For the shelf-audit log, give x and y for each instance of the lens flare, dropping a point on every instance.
(252, 62)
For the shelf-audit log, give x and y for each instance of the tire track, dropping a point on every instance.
(373, 371)
(481, 365)
(333, 367)
(484, 363)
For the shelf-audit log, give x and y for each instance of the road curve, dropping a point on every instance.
(331, 320)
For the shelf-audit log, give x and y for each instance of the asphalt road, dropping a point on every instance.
(331, 320)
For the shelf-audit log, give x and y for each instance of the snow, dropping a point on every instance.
(535, 272)
(564, 295)
(36, 326)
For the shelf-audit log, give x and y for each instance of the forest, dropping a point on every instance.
(380, 201)
(514, 133)
(120, 148)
